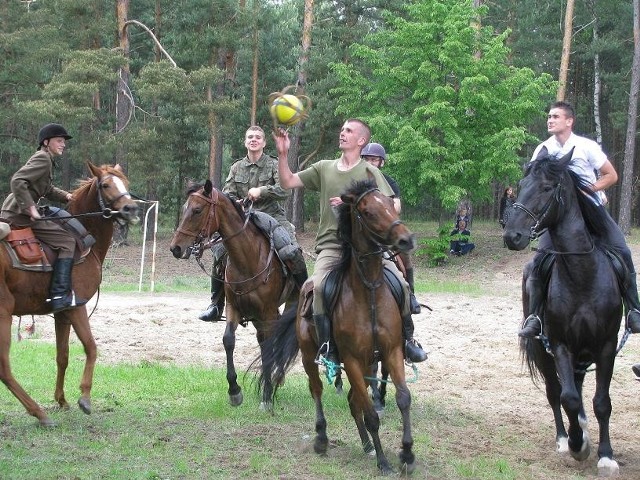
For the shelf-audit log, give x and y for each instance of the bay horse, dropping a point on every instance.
(255, 283)
(582, 312)
(366, 322)
(96, 202)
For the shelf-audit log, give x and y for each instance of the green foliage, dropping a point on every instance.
(435, 250)
(440, 94)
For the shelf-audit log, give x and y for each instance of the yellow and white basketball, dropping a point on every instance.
(287, 109)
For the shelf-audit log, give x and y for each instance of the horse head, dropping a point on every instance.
(113, 194)
(198, 220)
(541, 199)
(368, 215)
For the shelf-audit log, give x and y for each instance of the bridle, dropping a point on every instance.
(536, 229)
(380, 240)
(200, 242)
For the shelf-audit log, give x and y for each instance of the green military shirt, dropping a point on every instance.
(32, 182)
(263, 174)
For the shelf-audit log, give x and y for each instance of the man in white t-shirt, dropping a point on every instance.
(591, 163)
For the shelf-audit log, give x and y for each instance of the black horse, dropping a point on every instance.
(583, 308)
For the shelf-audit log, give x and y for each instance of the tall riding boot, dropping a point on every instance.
(532, 326)
(414, 305)
(631, 302)
(61, 295)
(298, 269)
(213, 313)
(325, 341)
(412, 349)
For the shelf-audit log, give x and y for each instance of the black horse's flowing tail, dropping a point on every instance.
(280, 350)
(532, 353)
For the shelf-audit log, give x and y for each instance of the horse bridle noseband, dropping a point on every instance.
(379, 240)
(535, 229)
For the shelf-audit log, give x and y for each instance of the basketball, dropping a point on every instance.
(287, 109)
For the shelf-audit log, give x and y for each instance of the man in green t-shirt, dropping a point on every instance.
(331, 178)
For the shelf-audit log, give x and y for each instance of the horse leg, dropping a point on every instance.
(267, 367)
(553, 389)
(395, 365)
(308, 349)
(361, 406)
(358, 416)
(7, 377)
(63, 329)
(376, 396)
(80, 322)
(579, 443)
(229, 342)
(607, 466)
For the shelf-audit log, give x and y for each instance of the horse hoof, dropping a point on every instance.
(320, 446)
(266, 407)
(85, 405)
(607, 467)
(386, 470)
(562, 445)
(46, 422)
(582, 454)
(408, 468)
(236, 400)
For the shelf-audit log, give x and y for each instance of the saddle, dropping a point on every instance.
(30, 254)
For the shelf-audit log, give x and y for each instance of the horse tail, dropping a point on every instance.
(279, 351)
(531, 352)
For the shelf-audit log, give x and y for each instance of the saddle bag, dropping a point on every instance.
(25, 244)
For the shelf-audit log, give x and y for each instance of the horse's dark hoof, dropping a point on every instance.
(385, 469)
(266, 407)
(320, 446)
(236, 400)
(46, 422)
(85, 405)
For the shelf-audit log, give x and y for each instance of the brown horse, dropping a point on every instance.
(255, 283)
(366, 319)
(97, 202)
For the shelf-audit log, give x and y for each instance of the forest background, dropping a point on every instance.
(456, 90)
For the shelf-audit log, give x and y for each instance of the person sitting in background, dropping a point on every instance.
(506, 204)
(460, 244)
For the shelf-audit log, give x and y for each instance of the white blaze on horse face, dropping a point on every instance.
(121, 187)
(384, 204)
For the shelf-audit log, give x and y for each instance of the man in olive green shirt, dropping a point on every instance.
(254, 177)
(331, 178)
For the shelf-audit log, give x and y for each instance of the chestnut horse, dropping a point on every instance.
(255, 283)
(96, 202)
(366, 322)
(582, 312)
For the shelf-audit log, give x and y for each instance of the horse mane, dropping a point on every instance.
(85, 184)
(345, 232)
(594, 215)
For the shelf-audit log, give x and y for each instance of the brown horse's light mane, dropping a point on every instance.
(85, 184)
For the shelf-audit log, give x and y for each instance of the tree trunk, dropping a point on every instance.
(123, 105)
(566, 51)
(624, 218)
(294, 205)
(256, 58)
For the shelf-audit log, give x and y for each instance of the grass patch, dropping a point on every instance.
(154, 421)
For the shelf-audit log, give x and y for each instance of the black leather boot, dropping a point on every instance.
(213, 313)
(327, 345)
(412, 349)
(61, 295)
(532, 326)
(632, 304)
(413, 302)
(298, 269)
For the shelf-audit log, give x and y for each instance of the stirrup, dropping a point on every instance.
(527, 330)
(331, 368)
(636, 324)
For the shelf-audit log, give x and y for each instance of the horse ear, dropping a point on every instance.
(208, 187)
(372, 178)
(348, 198)
(94, 170)
(567, 158)
(544, 152)
(118, 167)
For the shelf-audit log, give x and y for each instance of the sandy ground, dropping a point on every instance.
(473, 358)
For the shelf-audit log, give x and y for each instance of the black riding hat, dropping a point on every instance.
(51, 130)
